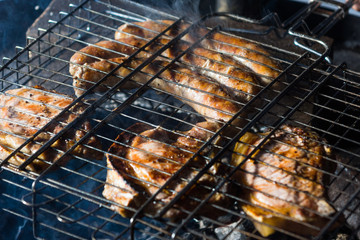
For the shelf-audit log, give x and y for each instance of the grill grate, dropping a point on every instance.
(67, 199)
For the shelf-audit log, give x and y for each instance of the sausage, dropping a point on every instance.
(204, 95)
(251, 55)
(240, 83)
(92, 57)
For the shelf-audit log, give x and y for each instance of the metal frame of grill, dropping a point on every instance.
(67, 199)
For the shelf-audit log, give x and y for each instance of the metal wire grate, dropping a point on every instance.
(67, 198)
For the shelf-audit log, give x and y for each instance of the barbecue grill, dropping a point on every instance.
(66, 200)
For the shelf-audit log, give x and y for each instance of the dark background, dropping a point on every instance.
(15, 17)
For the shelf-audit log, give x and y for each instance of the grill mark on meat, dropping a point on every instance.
(243, 51)
(240, 88)
(138, 170)
(24, 111)
(207, 98)
(286, 177)
(239, 81)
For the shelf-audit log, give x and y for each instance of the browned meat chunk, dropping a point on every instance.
(146, 158)
(284, 180)
(23, 111)
(205, 96)
(238, 80)
(245, 52)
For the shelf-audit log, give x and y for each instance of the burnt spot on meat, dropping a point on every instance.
(175, 30)
(11, 113)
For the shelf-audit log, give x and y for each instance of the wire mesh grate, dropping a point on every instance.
(67, 198)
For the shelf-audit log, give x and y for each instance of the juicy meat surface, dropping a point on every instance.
(239, 81)
(89, 65)
(245, 52)
(23, 111)
(152, 156)
(206, 97)
(285, 176)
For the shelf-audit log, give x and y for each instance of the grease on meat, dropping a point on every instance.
(206, 97)
(284, 180)
(24, 111)
(245, 52)
(151, 157)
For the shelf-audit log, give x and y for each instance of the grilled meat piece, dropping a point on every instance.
(205, 96)
(23, 111)
(239, 81)
(143, 159)
(250, 54)
(284, 180)
(91, 55)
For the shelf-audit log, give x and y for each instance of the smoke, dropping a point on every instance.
(12, 226)
(192, 9)
(187, 7)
